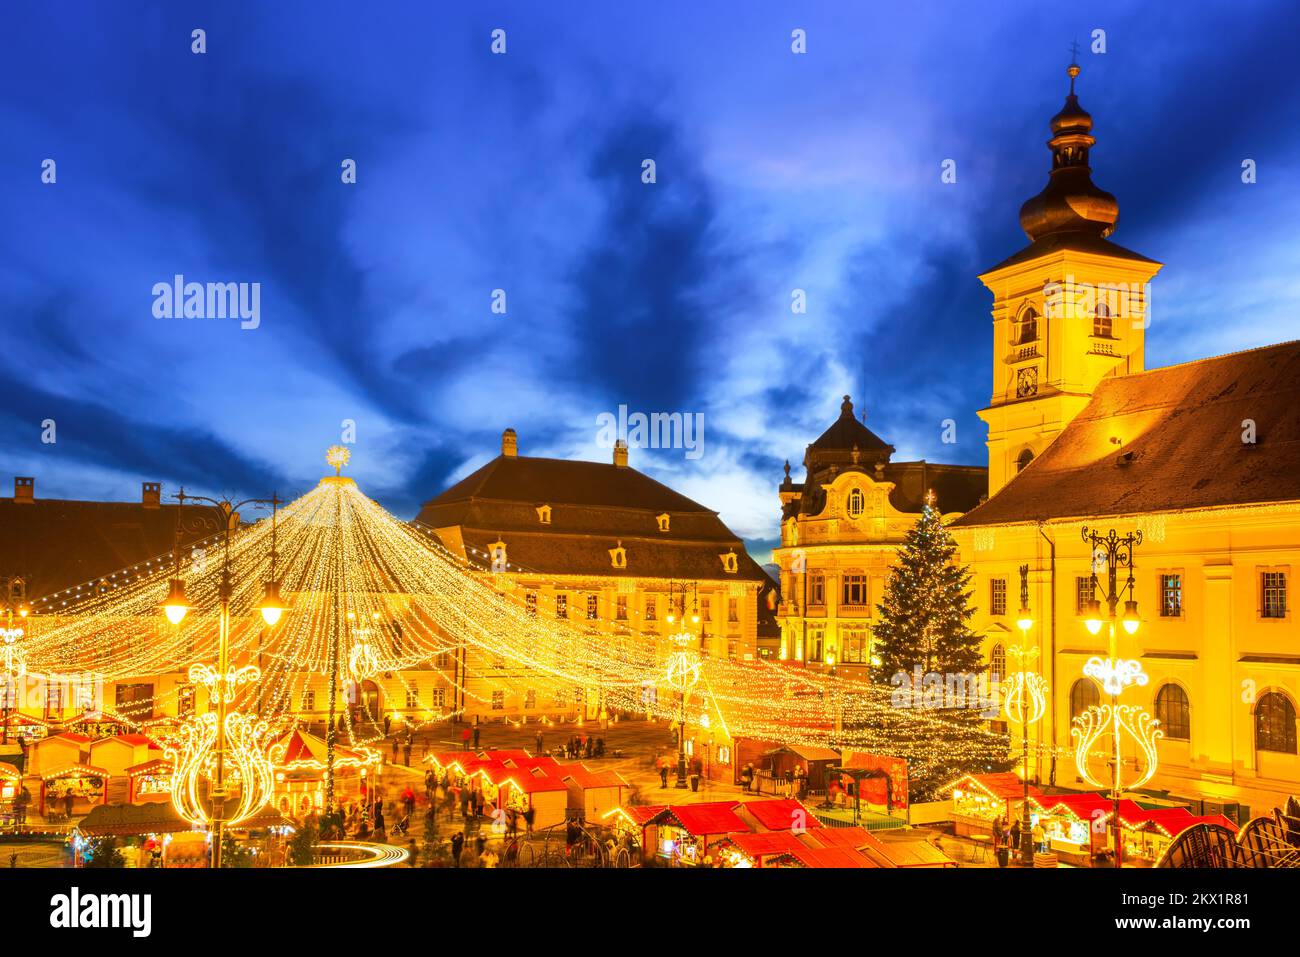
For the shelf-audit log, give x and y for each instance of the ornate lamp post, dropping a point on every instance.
(227, 746)
(1025, 703)
(15, 659)
(1111, 552)
(683, 674)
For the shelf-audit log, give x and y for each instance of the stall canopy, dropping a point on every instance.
(701, 820)
(780, 815)
(758, 846)
(1002, 786)
(130, 819)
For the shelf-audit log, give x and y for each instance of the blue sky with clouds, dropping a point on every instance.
(522, 172)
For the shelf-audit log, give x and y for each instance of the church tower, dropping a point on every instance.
(1068, 310)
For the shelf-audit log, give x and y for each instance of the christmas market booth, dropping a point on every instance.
(149, 781)
(300, 761)
(592, 793)
(17, 726)
(11, 785)
(72, 790)
(782, 766)
(685, 835)
(100, 723)
(1077, 827)
(980, 799)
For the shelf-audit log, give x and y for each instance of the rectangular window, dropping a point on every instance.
(530, 604)
(706, 609)
(816, 637)
(413, 697)
(561, 699)
(498, 701)
(854, 643)
(1272, 595)
(444, 660)
(733, 609)
(732, 646)
(816, 589)
(561, 606)
(1082, 593)
(438, 697)
(651, 613)
(593, 604)
(854, 590)
(997, 596)
(308, 701)
(620, 608)
(1171, 596)
(530, 700)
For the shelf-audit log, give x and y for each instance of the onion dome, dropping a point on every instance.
(1070, 202)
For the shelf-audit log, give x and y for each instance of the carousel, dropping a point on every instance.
(301, 761)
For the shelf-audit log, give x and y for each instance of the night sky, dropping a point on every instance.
(523, 172)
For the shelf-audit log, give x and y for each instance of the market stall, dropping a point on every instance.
(11, 785)
(683, 835)
(592, 793)
(100, 723)
(547, 797)
(72, 790)
(777, 814)
(17, 726)
(978, 800)
(149, 781)
(57, 751)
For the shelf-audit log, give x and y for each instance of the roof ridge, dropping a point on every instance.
(1203, 359)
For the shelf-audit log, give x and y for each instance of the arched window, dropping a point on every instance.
(857, 503)
(1083, 695)
(1173, 712)
(1023, 459)
(1275, 723)
(1101, 323)
(997, 663)
(1025, 328)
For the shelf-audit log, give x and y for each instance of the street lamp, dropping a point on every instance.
(15, 659)
(207, 743)
(1025, 703)
(683, 674)
(1110, 552)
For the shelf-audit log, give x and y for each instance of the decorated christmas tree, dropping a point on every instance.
(925, 652)
(925, 610)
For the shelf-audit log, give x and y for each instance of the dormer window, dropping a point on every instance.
(497, 553)
(544, 514)
(663, 521)
(618, 556)
(1025, 328)
(1101, 321)
(730, 563)
(856, 504)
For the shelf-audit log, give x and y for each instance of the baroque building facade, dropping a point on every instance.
(1203, 459)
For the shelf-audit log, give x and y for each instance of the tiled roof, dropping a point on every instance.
(781, 814)
(1079, 241)
(54, 544)
(716, 817)
(1167, 440)
(594, 508)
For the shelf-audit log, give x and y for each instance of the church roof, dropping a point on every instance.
(1168, 439)
(1082, 242)
(847, 433)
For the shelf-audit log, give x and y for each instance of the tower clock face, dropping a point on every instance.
(1027, 382)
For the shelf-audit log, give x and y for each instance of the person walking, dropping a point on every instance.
(465, 735)
(1040, 838)
(540, 739)
(457, 845)
(388, 723)
(396, 745)
(529, 815)
(406, 750)
(663, 773)
(476, 731)
(1013, 840)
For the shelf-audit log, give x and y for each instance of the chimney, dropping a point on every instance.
(620, 454)
(24, 489)
(151, 494)
(509, 444)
